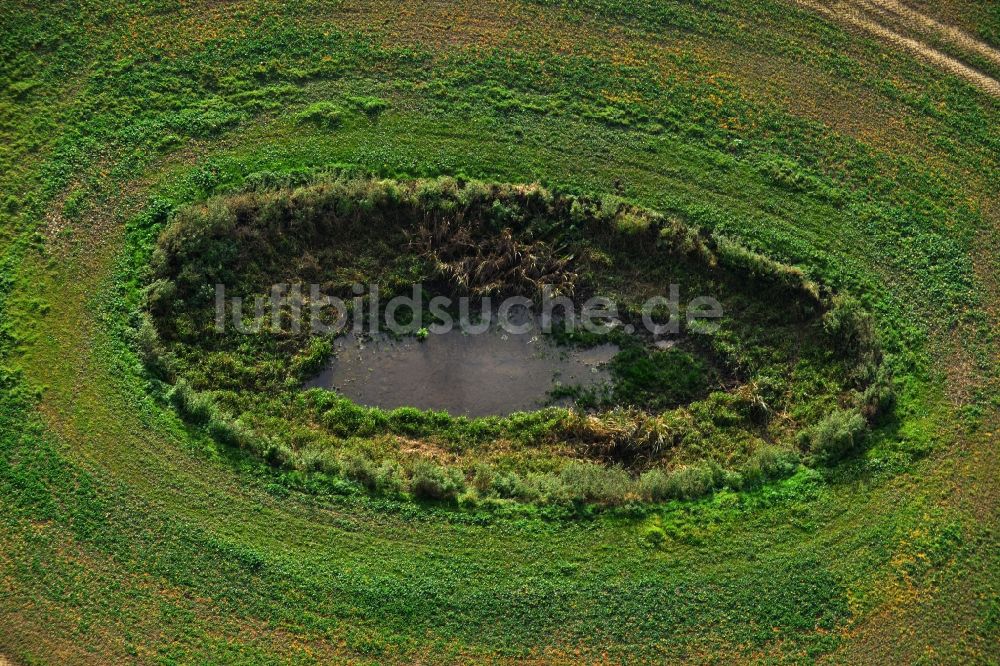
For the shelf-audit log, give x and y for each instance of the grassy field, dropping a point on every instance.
(129, 535)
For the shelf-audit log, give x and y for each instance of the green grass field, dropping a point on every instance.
(130, 534)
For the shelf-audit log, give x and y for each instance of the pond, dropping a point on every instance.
(492, 373)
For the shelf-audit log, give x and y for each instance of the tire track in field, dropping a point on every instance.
(852, 13)
(920, 22)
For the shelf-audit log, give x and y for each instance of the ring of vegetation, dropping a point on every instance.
(792, 376)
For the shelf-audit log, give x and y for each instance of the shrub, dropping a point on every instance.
(695, 481)
(787, 174)
(879, 398)
(836, 436)
(260, 181)
(324, 114)
(359, 468)
(736, 256)
(370, 106)
(410, 421)
(751, 400)
(160, 297)
(389, 478)
(469, 499)
(313, 358)
(319, 460)
(654, 485)
(198, 409)
(588, 482)
(347, 419)
(626, 435)
(231, 433)
(653, 536)
(431, 481)
(150, 348)
(192, 406)
(413, 422)
(850, 328)
(542, 488)
(20, 89)
(630, 223)
(483, 477)
(507, 485)
(204, 119)
(278, 455)
(766, 463)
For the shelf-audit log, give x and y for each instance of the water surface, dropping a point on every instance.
(466, 375)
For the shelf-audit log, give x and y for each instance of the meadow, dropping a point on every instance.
(139, 524)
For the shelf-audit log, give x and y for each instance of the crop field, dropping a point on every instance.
(815, 478)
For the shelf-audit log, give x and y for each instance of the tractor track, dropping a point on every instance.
(898, 24)
(919, 22)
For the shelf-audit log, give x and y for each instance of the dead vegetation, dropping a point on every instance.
(493, 265)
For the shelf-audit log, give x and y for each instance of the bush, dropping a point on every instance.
(192, 406)
(653, 536)
(347, 419)
(160, 296)
(695, 480)
(319, 460)
(359, 468)
(324, 114)
(507, 485)
(878, 399)
(413, 422)
(311, 360)
(389, 478)
(683, 483)
(735, 256)
(20, 89)
(751, 400)
(278, 455)
(587, 482)
(654, 485)
(198, 409)
(626, 435)
(836, 436)
(204, 119)
(787, 174)
(231, 433)
(851, 329)
(370, 106)
(150, 348)
(764, 464)
(542, 488)
(431, 481)
(483, 478)
(261, 181)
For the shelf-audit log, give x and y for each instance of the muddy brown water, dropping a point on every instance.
(492, 373)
